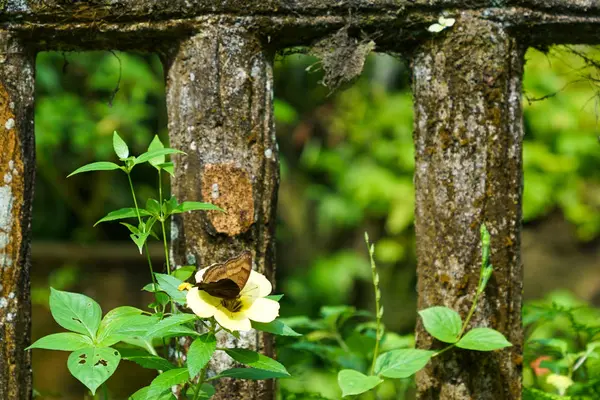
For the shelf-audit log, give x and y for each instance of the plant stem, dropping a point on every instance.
(104, 391)
(378, 308)
(471, 311)
(443, 350)
(137, 210)
(162, 223)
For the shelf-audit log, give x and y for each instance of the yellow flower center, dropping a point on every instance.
(233, 305)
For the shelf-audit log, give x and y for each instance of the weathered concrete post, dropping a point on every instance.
(468, 132)
(220, 106)
(17, 169)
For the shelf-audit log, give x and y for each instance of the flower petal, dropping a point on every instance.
(257, 286)
(263, 310)
(200, 274)
(232, 321)
(201, 303)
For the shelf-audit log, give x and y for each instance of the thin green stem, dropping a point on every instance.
(166, 246)
(137, 210)
(104, 391)
(162, 223)
(378, 308)
(471, 311)
(445, 349)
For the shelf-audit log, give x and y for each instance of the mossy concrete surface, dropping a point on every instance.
(468, 138)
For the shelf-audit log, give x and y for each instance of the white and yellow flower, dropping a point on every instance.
(235, 314)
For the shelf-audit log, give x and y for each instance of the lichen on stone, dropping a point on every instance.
(342, 58)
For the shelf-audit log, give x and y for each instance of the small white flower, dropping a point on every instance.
(442, 24)
(235, 314)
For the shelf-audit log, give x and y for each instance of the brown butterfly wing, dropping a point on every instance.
(226, 280)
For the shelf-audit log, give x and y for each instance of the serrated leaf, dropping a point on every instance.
(200, 353)
(250, 374)
(353, 382)
(483, 339)
(170, 284)
(195, 206)
(256, 360)
(93, 366)
(166, 380)
(122, 213)
(442, 323)
(75, 312)
(149, 155)
(276, 327)
(163, 326)
(402, 363)
(95, 166)
(120, 147)
(65, 341)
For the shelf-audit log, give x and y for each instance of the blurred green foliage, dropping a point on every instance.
(561, 151)
(81, 98)
(562, 348)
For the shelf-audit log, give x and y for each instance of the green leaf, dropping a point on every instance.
(250, 374)
(155, 145)
(168, 166)
(120, 147)
(166, 380)
(200, 353)
(142, 394)
(149, 155)
(146, 360)
(132, 229)
(442, 323)
(353, 382)
(402, 363)
(163, 326)
(138, 325)
(151, 287)
(206, 391)
(95, 166)
(276, 327)
(66, 341)
(256, 360)
(179, 331)
(93, 366)
(195, 206)
(139, 240)
(122, 213)
(170, 285)
(171, 204)
(483, 339)
(112, 322)
(184, 273)
(75, 312)
(275, 297)
(153, 207)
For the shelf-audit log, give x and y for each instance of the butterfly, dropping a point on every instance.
(226, 280)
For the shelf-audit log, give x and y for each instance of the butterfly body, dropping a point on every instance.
(226, 280)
